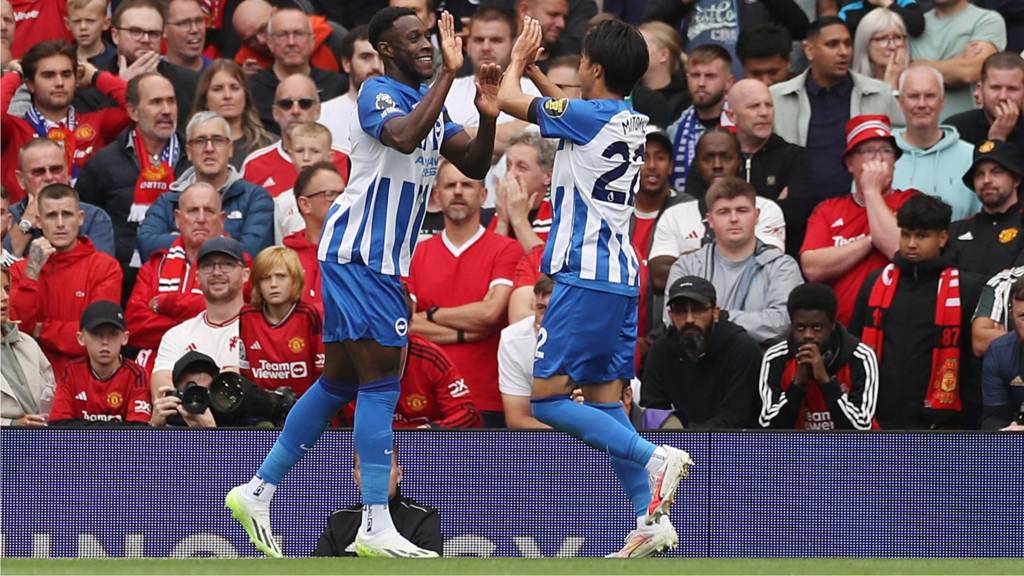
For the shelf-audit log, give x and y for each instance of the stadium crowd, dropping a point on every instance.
(827, 216)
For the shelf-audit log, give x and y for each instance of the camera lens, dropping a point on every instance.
(195, 399)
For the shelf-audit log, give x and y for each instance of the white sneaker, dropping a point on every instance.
(254, 516)
(666, 480)
(389, 544)
(648, 540)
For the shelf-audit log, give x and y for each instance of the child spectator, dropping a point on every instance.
(102, 387)
(308, 143)
(88, 20)
(282, 343)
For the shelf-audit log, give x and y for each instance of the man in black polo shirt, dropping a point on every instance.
(991, 240)
(1001, 92)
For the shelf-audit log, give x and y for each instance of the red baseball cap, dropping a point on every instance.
(869, 127)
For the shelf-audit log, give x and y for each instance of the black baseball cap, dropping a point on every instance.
(193, 361)
(1004, 153)
(102, 312)
(221, 245)
(657, 133)
(692, 288)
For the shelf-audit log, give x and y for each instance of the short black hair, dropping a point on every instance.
(813, 296)
(718, 130)
(38, 52)
(764, 41)
(348, 44)
(383, 21)
(814, 30)
(622, 53)
(924, 212)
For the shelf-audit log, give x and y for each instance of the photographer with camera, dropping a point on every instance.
(186, 402)
(214, 332)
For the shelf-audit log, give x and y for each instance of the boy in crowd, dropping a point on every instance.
(102, 387)
(308, 143)
(88, 20)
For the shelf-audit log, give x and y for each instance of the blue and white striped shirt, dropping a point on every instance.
(594, 184)
(376, 220)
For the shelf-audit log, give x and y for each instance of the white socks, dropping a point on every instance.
(376, 519)
(260, 490)
(656, 460)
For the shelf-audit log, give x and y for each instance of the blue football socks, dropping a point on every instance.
(305, 423)
(632, 476)
(375, 412)
(594, 426)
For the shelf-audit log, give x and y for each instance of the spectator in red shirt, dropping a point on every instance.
(49, 71)
(433, 394)
(7, 27)
(40, 20)
(850, 236)
(308, 144)
(282, 336)
(315, 191)
(62, 274)
(102, 387)
(461, 280)
(295, 101)
(166, 291)
(250, 23)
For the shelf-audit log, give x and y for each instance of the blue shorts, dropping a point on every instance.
(587, 334)
(362, 304)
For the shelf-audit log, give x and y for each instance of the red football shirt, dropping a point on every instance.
(81, 395)
(36, 21)
(837, 222)
(528, 268)
(433, 391)
(271, 168)
(641, 239)
(447, 276)
(290, 353)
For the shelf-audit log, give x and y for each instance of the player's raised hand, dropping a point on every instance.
(528, 46)
(451, 44)
(487, 80)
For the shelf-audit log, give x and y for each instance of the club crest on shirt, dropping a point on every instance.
(85, 133)
(296, 345)
(1008, 235)
(555, 108)
(114, 399)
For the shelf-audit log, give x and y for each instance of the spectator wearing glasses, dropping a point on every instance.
(880, 49)
(315, 190)
(296, 101)
(249, 211)
(309, 143)
(138, 26)
(185, 30)
(290, 37)
(250, 23)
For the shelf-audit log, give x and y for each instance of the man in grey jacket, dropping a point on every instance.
(753, 280)
(812, 109)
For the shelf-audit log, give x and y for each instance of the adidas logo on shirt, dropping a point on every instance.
(966, 236)
(839, 222)
(256, 346)
(268, 182)
(81, 396)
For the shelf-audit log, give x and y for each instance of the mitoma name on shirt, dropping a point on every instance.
(280, 370)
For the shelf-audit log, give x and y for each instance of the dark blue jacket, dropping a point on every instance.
(248, 209)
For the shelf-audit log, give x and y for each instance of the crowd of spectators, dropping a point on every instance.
(827, 215)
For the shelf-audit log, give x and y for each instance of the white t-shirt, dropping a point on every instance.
(337, 115)
(459, 102)
(515, 358)
(681, 228)
(286, 216)
(218, 341)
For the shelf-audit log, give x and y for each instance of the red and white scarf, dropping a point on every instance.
(154, 179)
(175, 271)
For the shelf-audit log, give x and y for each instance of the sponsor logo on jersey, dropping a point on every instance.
(458, 388)
(555, 108)
(100, 417)
(142, 407)
(114, 399)
(279, 370)
(297, 345)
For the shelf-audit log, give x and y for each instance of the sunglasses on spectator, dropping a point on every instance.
(139, 34)
(287, 103)
(217, 141)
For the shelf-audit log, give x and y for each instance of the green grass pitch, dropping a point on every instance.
(560, 567)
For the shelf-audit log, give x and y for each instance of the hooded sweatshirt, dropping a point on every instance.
(938, 171)
(67, 284)
(756, 301)
(306, 251)
(248, 211)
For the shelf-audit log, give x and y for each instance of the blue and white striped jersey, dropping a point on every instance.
(594, 184)
(376, 220)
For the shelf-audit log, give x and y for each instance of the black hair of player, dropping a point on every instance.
(813, 296)
(814, 30)
(622, 53)
(763, 41)
(385, 20)
(924, 212)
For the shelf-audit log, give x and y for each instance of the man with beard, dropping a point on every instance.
(705, 367)
(991, 240)
(708, 77)
(461, 280)
(1001, 92)
(360, 61)
(811, 108)
(821, 377)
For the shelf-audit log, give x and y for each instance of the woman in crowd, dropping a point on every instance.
(26, 384)
(665, 71)
(281, 335)
(224, 90)
(880, 48)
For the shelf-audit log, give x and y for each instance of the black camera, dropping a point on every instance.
(236, 400)
(195, 398)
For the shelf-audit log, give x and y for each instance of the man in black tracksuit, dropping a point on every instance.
(904, 328)
(705, 367)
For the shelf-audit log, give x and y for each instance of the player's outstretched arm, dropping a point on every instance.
(472, 156)
(543, 83)
(524, 53)
(404, 133)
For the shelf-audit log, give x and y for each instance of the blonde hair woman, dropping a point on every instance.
(665, 72)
